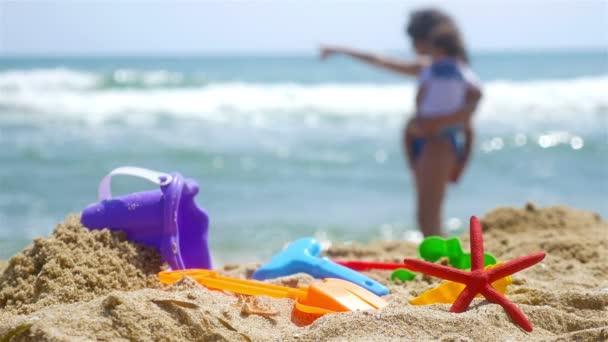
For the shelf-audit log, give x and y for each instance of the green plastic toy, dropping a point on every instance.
(434, 248)
(403, 275)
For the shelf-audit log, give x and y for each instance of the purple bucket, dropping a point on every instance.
(168, 219)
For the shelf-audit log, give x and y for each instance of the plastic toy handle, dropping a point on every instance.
(325, 268)
(104, 191)
(213, 280)
(359, 265)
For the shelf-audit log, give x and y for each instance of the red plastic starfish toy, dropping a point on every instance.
(479, 280)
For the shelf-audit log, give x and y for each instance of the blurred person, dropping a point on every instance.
(437, 140)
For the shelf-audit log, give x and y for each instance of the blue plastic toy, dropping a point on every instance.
(302, 256)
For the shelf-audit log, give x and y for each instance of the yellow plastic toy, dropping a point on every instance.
(322, 297)
(447, 292)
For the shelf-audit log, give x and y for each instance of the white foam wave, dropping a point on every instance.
(572, 103)
(57, 79)
(47, 79)
(73, 95)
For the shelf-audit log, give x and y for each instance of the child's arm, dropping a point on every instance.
(465, 115)
(462, 116)
(412, 68)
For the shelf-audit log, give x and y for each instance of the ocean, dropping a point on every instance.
(289, 146)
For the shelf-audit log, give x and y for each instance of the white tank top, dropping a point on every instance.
(446, 82)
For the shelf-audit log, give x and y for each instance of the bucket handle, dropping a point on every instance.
(104, 191)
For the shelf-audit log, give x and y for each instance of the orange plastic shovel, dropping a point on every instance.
(321, 297)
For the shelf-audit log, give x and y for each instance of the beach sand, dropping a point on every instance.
(81, 285)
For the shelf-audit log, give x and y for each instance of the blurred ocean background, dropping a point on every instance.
(285, 147)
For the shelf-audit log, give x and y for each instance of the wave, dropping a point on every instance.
(99, 97)
(61, 78)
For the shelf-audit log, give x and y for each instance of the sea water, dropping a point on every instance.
(289, 146)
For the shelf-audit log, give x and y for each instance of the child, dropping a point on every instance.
(443, 88)
(428, 136)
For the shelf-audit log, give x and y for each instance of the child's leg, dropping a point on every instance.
(408, 144)
(432, 171)
(413, 142)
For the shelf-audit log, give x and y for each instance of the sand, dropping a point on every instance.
(62, 289)
(75, 265)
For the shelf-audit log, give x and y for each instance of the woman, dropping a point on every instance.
(436, 164)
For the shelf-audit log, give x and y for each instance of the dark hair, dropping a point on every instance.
(423, 22)
(447, 38)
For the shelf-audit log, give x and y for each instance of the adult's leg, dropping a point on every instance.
(432, 171)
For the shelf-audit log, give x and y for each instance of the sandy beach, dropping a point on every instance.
(80, 285)
(141, 137)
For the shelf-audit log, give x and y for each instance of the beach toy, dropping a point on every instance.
(167, 219)
(303, 256)
(447, 292)
(479, 280)
(321, 297)
(431, 249)
(434, 248)
(359, 265)
(403, 275)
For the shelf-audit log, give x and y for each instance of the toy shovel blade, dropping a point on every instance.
(339, 295)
